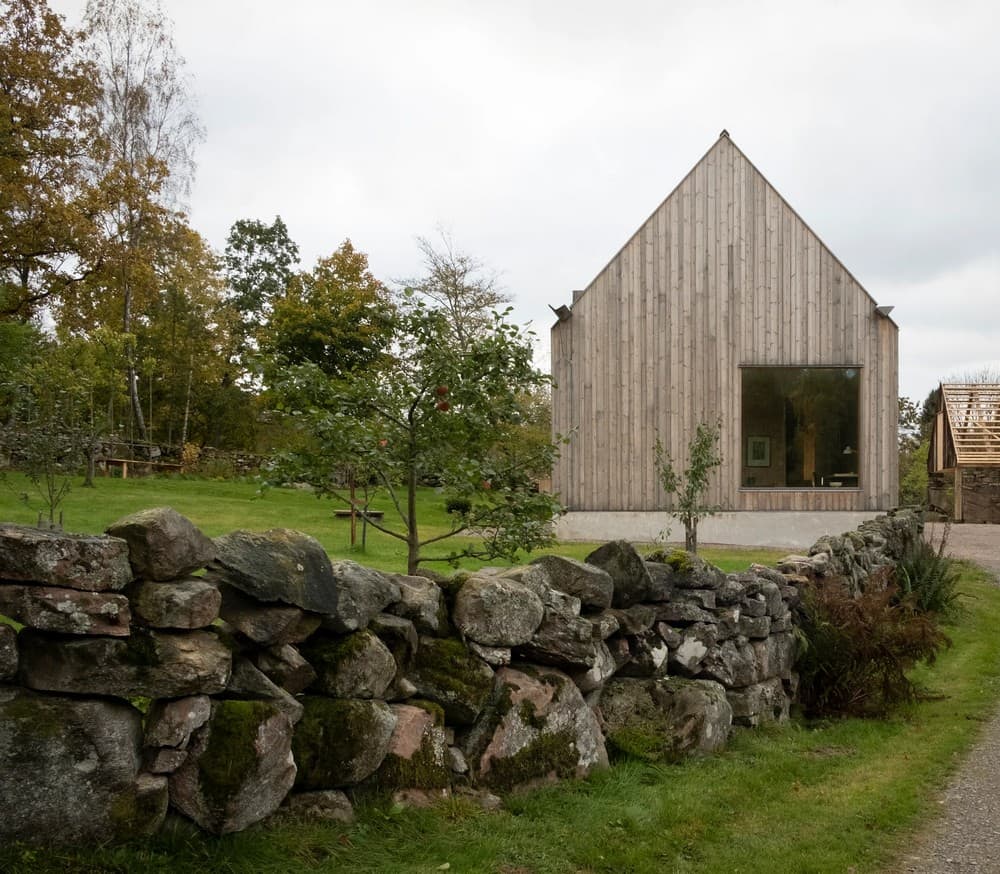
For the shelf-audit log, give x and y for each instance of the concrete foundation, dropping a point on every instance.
(785, 529)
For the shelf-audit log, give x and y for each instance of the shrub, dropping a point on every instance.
(855, 652)
(462, 506)
(928, 578)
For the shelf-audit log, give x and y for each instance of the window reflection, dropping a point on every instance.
(800, 427)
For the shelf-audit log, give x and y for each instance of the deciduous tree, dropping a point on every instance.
(460, 287)
(259, 263)
(47, 100)
(338, 316)
(143, 160)
(430, 414)
(688, 489)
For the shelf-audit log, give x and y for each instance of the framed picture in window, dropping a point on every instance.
(758, 451)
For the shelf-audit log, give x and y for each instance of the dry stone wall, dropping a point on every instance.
(159, 670)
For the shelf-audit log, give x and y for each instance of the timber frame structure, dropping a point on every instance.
(964, 457)
(722, 282)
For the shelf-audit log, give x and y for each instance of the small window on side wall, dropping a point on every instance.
(800, 427)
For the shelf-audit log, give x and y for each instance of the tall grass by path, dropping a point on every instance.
(828, 797)
(221, 506)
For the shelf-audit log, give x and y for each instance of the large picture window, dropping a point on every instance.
(800, 427)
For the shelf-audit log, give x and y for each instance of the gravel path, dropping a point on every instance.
(966, 835)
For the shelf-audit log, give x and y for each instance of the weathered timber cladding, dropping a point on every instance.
(724, 274)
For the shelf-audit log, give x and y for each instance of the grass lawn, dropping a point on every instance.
(220, 506)
(830, 797)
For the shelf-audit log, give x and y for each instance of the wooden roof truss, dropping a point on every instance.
(973, 412)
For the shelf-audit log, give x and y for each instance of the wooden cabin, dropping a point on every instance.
(725, 306)
(964, 458)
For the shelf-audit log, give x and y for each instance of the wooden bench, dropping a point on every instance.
(122, 463)
(359, 513)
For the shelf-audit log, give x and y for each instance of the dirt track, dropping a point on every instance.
(966, 836)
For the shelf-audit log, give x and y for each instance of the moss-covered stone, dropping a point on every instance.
(664, 720)
(68, 767)
(357, 665)
(434, 709)
(230, 754)
(425, 767)
(140, 811)
(550, 755)
(340, 742)
(445, 672)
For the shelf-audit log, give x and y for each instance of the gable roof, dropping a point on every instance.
(973, 412)
(725, 138)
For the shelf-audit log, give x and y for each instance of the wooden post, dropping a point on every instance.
(354, 514)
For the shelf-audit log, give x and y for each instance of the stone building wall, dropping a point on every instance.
(156, 669)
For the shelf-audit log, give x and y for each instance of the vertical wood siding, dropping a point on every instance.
(724, 274)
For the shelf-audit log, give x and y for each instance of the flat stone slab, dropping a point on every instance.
(190, 603)
(151, 664)
(66, 611)
(76, 561)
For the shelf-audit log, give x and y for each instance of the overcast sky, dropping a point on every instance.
(542, 134)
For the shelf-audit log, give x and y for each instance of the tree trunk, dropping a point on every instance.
(412, 534)
(88, 481)
(691, 538)
(130, 374)
(187, 403)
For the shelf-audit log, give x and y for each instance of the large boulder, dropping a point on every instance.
(66, 611)
(70, 771)
(775, 656)
(494, 611)
(632, 583)
(417, 757)
(239, 767)
(564, 639)
(163, 544)
(151, 664)
(665, 719)
(760, 703)
(592, 585)
(277, 565)
(190, 603)
(537, 727)
(445, 672)
(361, 594)
(76, 561)
(340, 742)
(691, 571)
(661, 579)
(422, 602)
(357, 665)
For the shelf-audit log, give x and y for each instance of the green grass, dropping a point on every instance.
(830, 797)
(220, 506)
